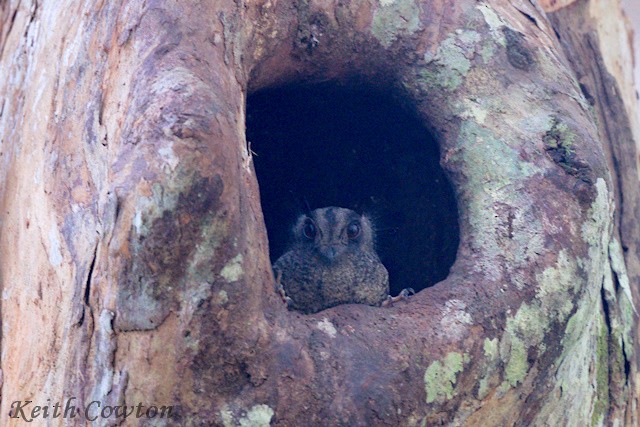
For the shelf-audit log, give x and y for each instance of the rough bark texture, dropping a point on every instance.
(134, 264)
(582, 45)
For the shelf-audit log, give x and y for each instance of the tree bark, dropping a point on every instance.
(133, 255)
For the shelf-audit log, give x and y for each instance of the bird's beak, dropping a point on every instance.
(329, 252)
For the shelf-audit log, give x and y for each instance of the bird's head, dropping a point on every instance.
(332, 232)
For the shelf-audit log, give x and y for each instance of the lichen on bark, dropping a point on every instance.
(440, 377)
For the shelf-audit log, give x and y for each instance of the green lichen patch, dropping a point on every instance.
(492, 354)
(451, 57)
(527, 328)
(556, 283)
(491, 348)
(487, 51)
(574, 381)
(619, 268)
(582, 375)
(474, 109)
(621, 308)
(440, 377)
(559, 137)
(490, 163)
(185, 208)
(559, 143)
(393, 18)
(526, 323)
(593, 229)
(518, 364)
(483, 388)
(491, 167)
(601, 404)
(627, 318)
(451, 63)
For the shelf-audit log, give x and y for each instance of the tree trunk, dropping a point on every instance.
(134, 257)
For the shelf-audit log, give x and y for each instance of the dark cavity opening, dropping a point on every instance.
(356, 147)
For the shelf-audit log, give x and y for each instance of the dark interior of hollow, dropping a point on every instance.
(355, 147)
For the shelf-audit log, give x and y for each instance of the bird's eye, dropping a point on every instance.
(309, 230)
(353, 230)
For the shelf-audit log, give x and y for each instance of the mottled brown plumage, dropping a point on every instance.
(332, 261)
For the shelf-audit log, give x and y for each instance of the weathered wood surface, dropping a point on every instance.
(134, 261)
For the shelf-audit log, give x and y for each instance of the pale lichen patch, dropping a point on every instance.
(168, 156)
(227, 417)
(257, 416)
(232, 271)
(394, 18)
(223, 298)
(492, 166)
(327, 327)
(618, 266)
(55, 256)
(597, 216)
(454, 318)
(494, 21)
(474, 110)
(150, 208)
(178, 81)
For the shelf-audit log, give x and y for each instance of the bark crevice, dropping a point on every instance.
(87, 286)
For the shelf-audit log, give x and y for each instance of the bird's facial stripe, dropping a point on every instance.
(330, 217)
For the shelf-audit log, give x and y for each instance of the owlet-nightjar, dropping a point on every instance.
(332, 261)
